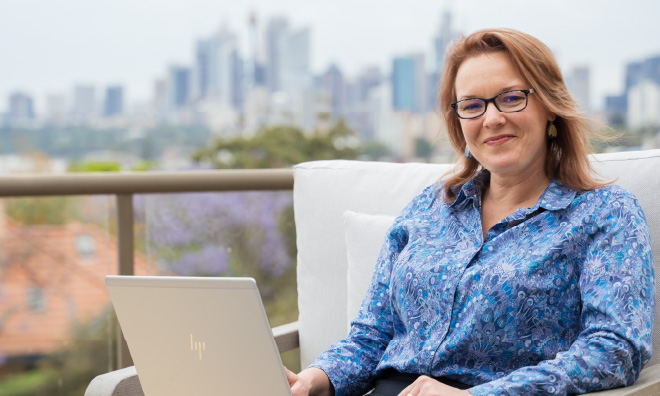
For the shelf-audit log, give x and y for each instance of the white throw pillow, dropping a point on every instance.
(365, 235)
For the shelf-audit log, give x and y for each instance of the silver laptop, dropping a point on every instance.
(198, 336)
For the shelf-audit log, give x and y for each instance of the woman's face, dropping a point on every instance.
(506, 144)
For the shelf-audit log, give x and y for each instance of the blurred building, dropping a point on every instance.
(276, 32)
(84, 103)
(218, 71)
(644, 104)
(617, 107)
(443, 38)
(577, 82)
(409, 83)
(256, 65)
(21, 110)
(178, 87)
(331, 83)
(56, 108)
(288, 57)
(114, 101)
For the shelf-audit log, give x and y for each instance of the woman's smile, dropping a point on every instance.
(498, 140)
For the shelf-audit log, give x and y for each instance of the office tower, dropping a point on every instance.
(218, 71)
(445, 35)
(368, 79)
(256, 66)
(288, 57)
(408, 83)
(295, 61)
(203, 66)
(275, 35)
(577, 82)
(644, 104)
(615, 109)
(178, 87)
(114, 101)
(21, 110)
(21, 106)
(56, 108)
(331, 83)
(84, 102)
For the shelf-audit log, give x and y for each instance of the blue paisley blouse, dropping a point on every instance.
(556, 299)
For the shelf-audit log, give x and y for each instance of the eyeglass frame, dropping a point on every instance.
(487, 101)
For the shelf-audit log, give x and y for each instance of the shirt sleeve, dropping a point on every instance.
(617, 289)
(351, 362)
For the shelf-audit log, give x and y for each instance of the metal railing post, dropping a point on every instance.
(125, 246)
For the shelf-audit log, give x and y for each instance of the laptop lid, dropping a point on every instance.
(198, 336)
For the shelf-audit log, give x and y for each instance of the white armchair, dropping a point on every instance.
(335, 248)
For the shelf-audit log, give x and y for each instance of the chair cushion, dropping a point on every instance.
(365, 234)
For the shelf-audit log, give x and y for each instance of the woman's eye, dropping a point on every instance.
(512, 98)
(472, 106)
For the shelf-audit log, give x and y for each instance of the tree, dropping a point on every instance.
(279, 147)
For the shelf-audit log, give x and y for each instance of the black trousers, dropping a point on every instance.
(392, 382)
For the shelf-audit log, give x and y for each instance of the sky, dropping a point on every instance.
(48, 46)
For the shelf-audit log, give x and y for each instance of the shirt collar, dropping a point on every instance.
(471, 191)
(555, 197)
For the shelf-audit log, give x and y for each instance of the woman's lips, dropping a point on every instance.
(497, 140)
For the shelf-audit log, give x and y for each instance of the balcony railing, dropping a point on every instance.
(125, 185)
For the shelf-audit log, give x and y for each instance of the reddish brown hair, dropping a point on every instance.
(567, 155)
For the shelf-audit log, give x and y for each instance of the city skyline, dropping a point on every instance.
(106, 54)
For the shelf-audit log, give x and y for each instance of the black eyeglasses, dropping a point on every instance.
(506, 102)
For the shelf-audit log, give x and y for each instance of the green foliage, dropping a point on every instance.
(278, 147)
(145, 166)
(68, 371)
(95, 166)
(24, 384)
(40, 210)
(374, 150)
(423, 149)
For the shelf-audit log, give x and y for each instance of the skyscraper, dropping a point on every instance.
(331, 82)
(114, 101)
(445, 35)
(644, 104)
(288, 57)
(178, 87)
(408, 83)
(275, 36)
(295, 71)
(218, 70)
(21, 109)
(577, 82)
(84, 103)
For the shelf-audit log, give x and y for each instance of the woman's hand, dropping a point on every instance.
(297, 384)
(311, 381)
(427, 386)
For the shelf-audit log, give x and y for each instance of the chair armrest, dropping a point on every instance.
(286, 337)
(648, 384)
(124, 382)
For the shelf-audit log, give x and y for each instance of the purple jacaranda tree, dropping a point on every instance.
(205, 234)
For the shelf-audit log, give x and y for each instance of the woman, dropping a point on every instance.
(519, 273)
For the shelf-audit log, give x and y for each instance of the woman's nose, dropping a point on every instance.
(493, 117)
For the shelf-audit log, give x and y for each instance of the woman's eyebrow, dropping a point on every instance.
(505, 89)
